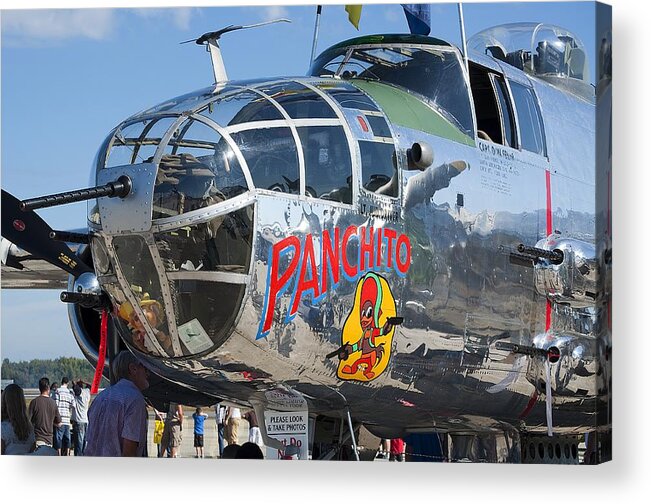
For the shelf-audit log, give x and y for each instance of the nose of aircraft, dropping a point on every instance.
(182, 242)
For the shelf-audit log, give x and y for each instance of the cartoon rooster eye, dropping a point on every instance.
(368, 312)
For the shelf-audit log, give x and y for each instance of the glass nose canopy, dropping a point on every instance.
(184, 289)
(211, 147)
(181, 287)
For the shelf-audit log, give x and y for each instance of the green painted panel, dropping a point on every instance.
(406, 110)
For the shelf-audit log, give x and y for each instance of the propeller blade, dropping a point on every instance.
(31, 233)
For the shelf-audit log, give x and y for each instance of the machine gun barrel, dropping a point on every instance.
(118, 188)
(551, 353)
(555, 256)
(336, 352)
(70, 237)
(85, 300)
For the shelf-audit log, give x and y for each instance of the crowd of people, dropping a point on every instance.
(54, 424)
(61, 420)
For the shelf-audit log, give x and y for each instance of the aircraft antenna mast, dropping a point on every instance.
(211, 41)
(463, 37)
(316, 34)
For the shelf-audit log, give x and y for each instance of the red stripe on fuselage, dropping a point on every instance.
(548, 308)
(548, 189)
(548, 185)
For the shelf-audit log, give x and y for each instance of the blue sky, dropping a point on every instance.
(38, 326)
(69, 76)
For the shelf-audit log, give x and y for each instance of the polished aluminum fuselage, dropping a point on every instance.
(462, 292)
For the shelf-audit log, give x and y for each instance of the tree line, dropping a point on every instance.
(28, 373)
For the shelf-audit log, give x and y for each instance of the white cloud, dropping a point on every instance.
(33, 26)
(273, 12)
(38, 26)
(179, 17)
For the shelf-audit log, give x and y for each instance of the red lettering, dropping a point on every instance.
(349, 269)
(378, 243)
(403, 266)
(390, 235)
(333, 257)
(278, 282)
(305, 283)
(365, 248)
(329, 259)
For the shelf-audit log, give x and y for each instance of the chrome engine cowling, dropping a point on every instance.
(84, 321)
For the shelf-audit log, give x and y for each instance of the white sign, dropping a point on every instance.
(194, 336)
(282, 400)
(290, 428)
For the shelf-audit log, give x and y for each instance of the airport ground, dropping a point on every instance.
(211, 449)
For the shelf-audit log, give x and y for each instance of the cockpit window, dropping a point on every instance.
(433, 72)
(349, 97)
(200, 170)
(299, 101)
(239, 108)
(136, 142)
(379, 168)
(328, 169)
(532, 137)
(272, 158)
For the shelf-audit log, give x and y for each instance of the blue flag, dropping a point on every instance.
(418, 18)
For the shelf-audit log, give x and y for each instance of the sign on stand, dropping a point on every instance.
(286, 420)
(291, 429)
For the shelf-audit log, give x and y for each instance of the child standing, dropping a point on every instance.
(198, 416)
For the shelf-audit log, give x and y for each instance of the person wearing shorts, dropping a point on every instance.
(65, 400)
(199, 417)
(173, 430)
(398, 447)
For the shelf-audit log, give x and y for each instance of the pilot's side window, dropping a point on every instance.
(508, 121)
(328, 168)
(532, 136)
(272, 158)
(379, 169)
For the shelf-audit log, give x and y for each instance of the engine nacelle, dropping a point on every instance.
(573, 281)
(85, 322)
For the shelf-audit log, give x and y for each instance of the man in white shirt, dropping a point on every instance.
(65, 401)
(81, 391)
(117, 419)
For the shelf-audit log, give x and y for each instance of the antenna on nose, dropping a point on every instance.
(211, 41)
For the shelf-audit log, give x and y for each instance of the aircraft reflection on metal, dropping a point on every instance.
(396, 235)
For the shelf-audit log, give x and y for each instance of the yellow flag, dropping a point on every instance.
(354, 13)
